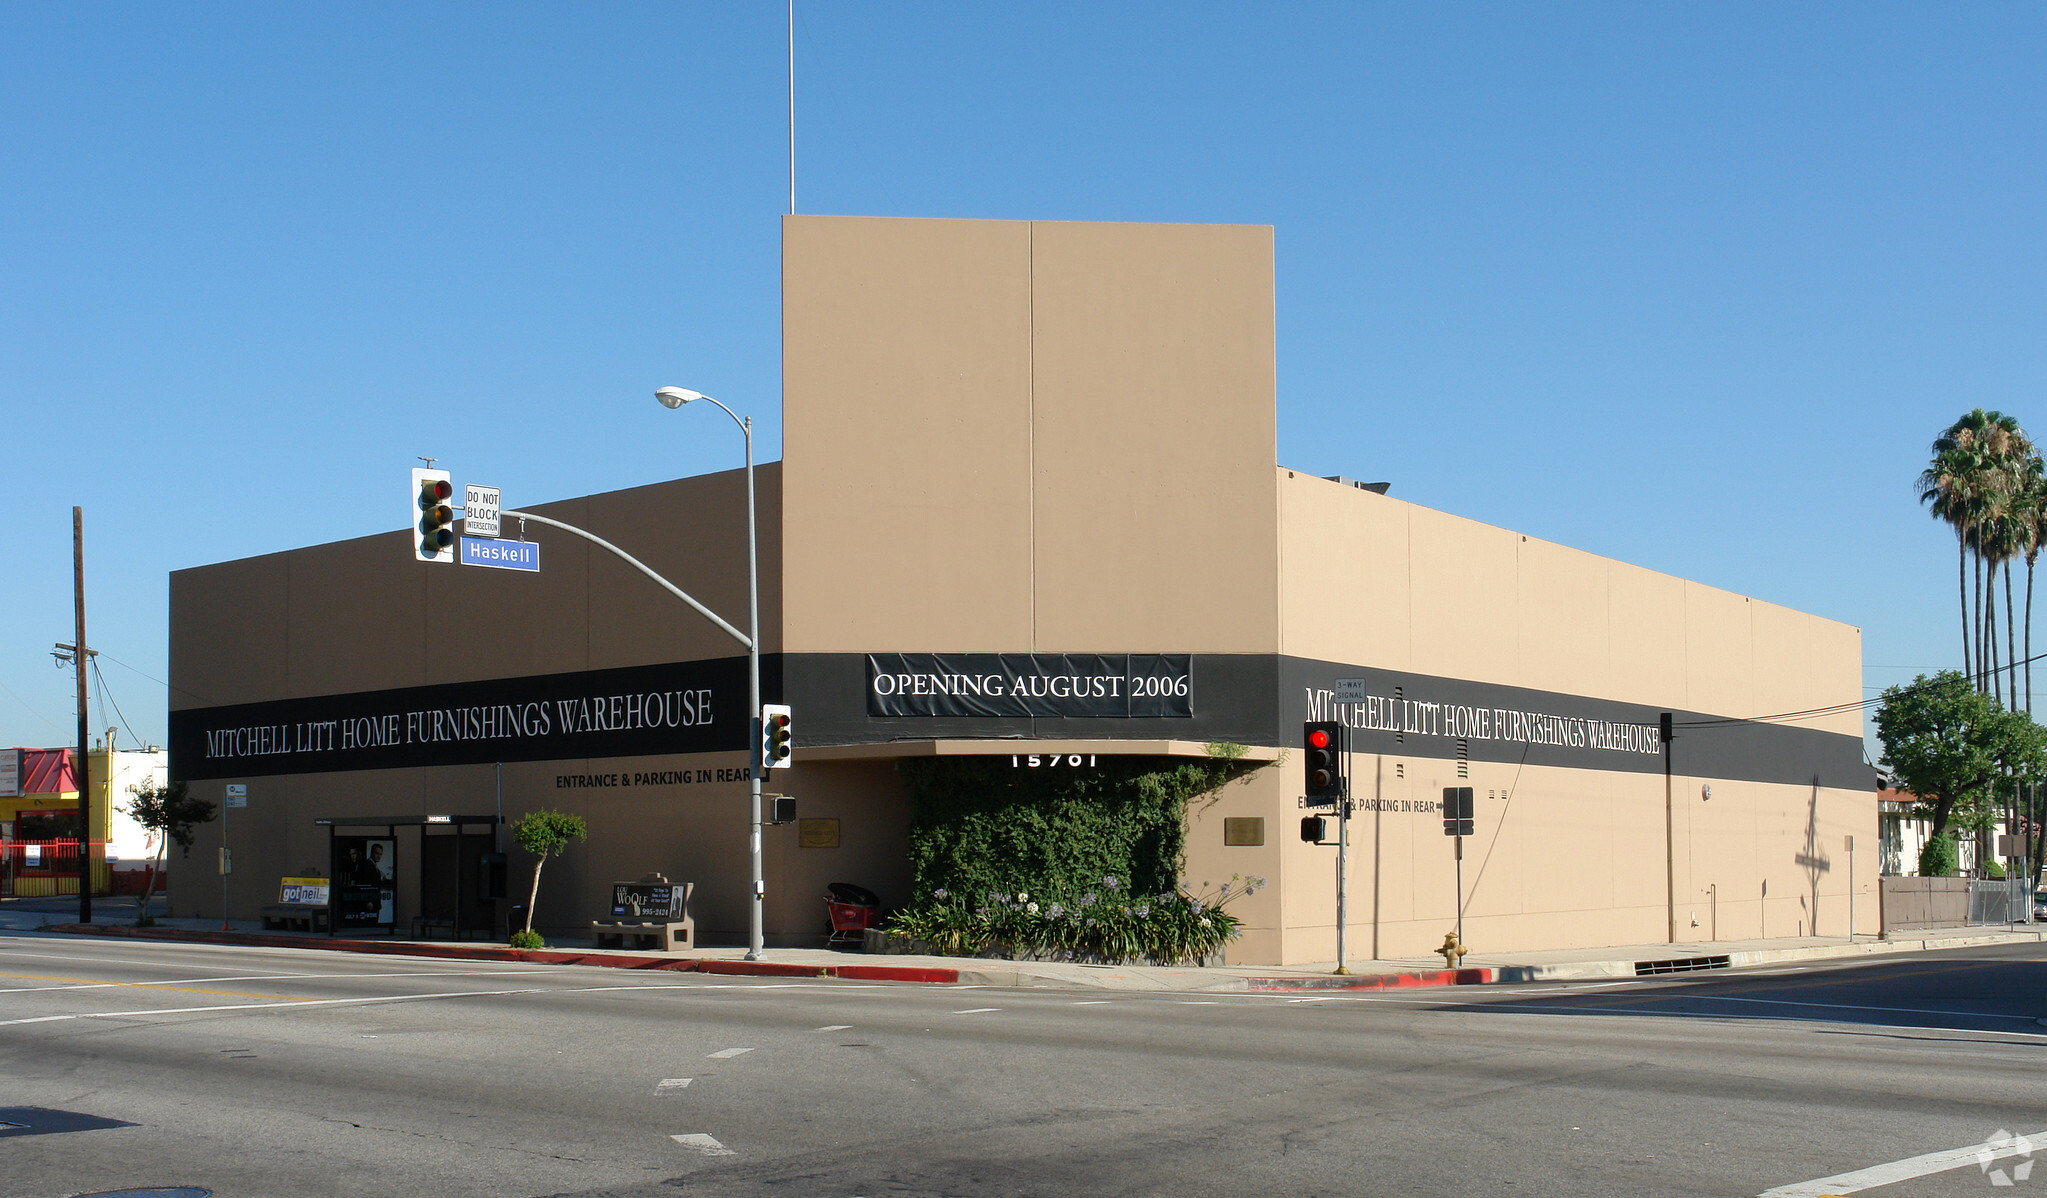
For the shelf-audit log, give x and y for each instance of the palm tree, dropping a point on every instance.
(2032, 508)
(1968, 486)
(1947, 488)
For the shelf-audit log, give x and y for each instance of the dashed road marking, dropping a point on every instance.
(725, 1053)
(835, 1027)
(977, 1010)
(671, 1084)
(1093, 1002)
(708, 1145)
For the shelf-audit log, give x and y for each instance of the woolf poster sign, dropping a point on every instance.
(684, 707)
(1072, 685)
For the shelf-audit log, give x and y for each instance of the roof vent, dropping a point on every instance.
(1374, 488)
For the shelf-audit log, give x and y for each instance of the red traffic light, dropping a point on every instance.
(434, 491)
(1318, 739)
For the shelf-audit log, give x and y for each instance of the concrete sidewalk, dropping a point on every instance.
(115, 917)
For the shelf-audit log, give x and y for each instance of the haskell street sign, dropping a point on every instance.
(479, 510)
(504, 555)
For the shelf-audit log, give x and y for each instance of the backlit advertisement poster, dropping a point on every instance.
(364, 879)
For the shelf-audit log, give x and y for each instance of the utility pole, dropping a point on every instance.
(1670, 828)
(78, 658)
(1343, 856)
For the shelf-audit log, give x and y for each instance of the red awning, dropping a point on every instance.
(47, 772)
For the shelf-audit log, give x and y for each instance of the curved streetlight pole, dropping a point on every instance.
(675, 397)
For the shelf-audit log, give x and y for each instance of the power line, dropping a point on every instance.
(107, 696)
(1840, 708)
(160, 682)
(25, 703)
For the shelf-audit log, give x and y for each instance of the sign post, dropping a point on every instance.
(1850, 846)
(238, 795)
(1348, 690)
(1457, 822)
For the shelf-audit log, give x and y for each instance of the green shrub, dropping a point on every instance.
(1937, 858)
(1105, 924)
(525, 938)
(1076, 861)
(1992, 870)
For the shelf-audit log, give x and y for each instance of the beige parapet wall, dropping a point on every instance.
(1018, 436)
(1430, 593)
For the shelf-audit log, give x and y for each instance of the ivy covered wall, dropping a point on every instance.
(981, 824)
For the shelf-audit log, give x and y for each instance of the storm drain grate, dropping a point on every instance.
(1645, 969)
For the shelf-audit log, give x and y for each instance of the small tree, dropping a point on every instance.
(1937, 857)
(1956, 749)
(545, 834)
(171, 813)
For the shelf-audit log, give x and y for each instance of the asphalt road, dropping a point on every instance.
(293, 1074)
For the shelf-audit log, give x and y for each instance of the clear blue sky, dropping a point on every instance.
(1688, 285)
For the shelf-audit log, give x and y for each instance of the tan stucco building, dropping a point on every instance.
(1018, 454)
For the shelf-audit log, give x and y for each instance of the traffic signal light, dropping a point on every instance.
(777, 741)
(1457, 811)
(1314, 828)
(433, 527)
(1322, 745)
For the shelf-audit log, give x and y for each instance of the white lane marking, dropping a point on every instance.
(725, 1053)
(1093, 1002)
(1199, 1002)
(1905, 1170)
(708, 1145)
(673, 1083)
(288, 1005)
(977, 1010)
(244, 950)
(836, 1027)
(277, 977)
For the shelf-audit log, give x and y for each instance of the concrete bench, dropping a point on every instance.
(649, 910)
(294, 917)
(666, 935)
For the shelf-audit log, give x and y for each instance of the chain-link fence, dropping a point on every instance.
(2000, 901)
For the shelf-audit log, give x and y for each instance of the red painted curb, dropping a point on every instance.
(1379, 981)
(483, 952)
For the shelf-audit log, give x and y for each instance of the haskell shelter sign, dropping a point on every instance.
(1078, 685)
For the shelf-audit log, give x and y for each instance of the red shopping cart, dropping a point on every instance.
(852, 910)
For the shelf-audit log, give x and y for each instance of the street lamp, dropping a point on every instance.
(675, 397)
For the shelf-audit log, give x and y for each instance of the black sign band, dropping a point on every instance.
(684, 707)
(1073, 685)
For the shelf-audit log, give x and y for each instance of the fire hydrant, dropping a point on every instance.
(1452, 951)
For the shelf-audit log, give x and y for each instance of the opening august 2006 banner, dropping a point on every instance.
(1084, 685)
